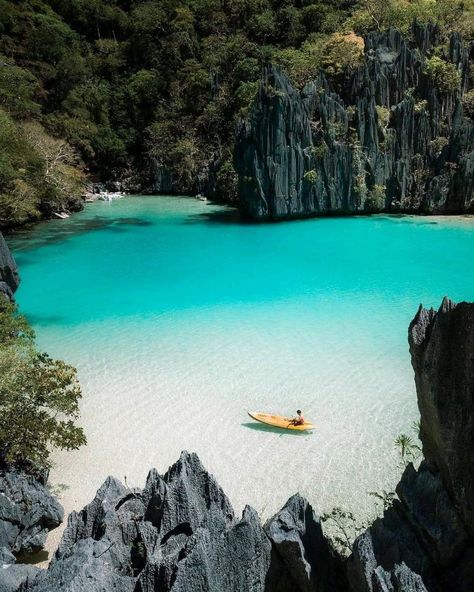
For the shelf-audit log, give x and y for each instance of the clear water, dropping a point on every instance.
(179, 319)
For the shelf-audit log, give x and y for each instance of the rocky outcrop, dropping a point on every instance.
(391, 140)
(442, 349)
(180, 534)
(9, 278)
(28, 512)
(428, 532)
(298, 540)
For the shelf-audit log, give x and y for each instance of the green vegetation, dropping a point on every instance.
(468, 103)
(38, 397)
(438, 144)
(408, 449)
(311, 176)
(102, 86)
(376, 198)
(383, 115)
(443, 75)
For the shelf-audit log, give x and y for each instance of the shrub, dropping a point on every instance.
(320, 150)
(39, 397)
(311, 176)
(342, 53)
(438, 144)
(468, 103)
(343, 529)
(444, 75)
(227, 181)
(421, 106)
(376, 198)
(383, 115)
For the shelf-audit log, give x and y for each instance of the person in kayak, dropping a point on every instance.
(299, 419)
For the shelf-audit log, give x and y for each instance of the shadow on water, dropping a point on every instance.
(224, 216)
(58, 231)
(261, 427)
(45, 320)
(406, 219)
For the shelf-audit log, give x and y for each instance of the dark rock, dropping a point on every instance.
(428, 532)
(160, 178)
(389, 141)
(442, 346)
(427, 505)
(367, 574)
(112, 517)
(9, 278)
(198, 545)
(14, 576)
(296, 534)
(28, 512)
(84, 568)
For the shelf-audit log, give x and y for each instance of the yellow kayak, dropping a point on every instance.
(279, 421)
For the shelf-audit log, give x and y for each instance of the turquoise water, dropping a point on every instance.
(179, 318)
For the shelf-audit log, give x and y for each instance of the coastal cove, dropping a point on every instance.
(179, 319)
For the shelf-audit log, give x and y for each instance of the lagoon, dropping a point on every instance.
(180, 318)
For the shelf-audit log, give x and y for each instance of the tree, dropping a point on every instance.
(342, 53)
(39, 397)
(17, 89)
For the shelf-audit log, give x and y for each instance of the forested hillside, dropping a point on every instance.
(149, 92)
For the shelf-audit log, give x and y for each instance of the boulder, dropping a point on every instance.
(28, 511)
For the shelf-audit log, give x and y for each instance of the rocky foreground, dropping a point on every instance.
(179, 533)
(387, 139)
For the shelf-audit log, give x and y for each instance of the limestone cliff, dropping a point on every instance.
(392, 140)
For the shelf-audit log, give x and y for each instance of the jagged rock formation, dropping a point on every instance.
(180, 533)
(390, 141)
(28, 511)
(442, 348)
(9, 278)
(428, 533)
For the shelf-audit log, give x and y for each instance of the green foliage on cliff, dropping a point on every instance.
(39, 397)
(117, 82)
(442, 74)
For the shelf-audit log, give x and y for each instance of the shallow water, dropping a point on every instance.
(179, 319)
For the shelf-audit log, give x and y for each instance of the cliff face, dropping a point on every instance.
(391, 141)
(429, 529)
(9, 278)
(180, 534)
